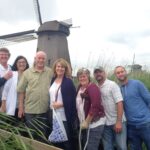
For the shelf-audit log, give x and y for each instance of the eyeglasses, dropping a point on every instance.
(4, 54)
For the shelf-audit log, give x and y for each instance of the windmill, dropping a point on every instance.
(51, 35)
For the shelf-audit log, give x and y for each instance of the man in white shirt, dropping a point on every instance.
(5, 69)
(115, 128)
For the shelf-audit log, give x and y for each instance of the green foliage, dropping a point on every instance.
(142, 76)
(13, 141)
(139, 75)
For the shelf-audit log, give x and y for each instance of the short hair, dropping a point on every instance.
(14, 66)
(4, 49)
(119, 67)
(65, 64)
(83, 71)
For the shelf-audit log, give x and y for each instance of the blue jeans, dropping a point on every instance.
(111, 138)
(137, 135)
(95, 134)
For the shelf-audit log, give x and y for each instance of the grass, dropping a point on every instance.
(13, 141)
(143, 76)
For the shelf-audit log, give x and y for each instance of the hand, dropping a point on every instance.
(20, 112)
(84, 125)
(56, 105)
(2, 109)
(118, 127)
(3, 106)
(8, 75)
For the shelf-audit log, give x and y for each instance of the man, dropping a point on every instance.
(115, 128)
(137, 109)
(5, 69)
(33, 89)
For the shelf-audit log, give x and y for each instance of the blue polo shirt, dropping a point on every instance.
(136, 102)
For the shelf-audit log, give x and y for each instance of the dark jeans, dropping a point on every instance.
(39, 125)
(137, 135)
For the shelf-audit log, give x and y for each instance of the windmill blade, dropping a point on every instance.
(37, 11)
(15, 38)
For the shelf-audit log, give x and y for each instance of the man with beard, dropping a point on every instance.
(137, 109)
(115, 128)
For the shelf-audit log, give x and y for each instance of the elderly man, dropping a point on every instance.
(137, 109)
(33, 89)
(115, 128)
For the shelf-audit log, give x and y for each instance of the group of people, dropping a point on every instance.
(103, 111)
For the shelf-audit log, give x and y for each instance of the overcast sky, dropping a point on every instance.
(111, 31)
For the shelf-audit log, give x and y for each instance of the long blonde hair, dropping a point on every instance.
(65, 64)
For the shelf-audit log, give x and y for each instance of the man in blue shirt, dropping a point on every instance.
(137, 109)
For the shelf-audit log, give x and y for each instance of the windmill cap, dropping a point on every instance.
(100, 68)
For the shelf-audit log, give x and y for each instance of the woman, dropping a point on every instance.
(90, 111)
(9, 95)
(62, 96)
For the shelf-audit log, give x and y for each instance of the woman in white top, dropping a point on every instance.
(9, 95)
(62, 99)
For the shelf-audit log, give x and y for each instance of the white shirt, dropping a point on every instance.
(10, 94)
(80, 106)
(3, 71)
(53, 90)
(111, 95)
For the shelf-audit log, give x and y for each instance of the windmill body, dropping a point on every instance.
(52, 39)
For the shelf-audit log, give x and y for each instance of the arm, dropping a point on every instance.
(57, 105)
(21, 97)
(95, 98)
(21, 88)
(118, 125)
(7, 76)
(117, 96)
(2, 81)
(144, 93)
(5, 94)
(3, 106)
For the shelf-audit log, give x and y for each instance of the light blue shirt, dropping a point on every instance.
(136, 102)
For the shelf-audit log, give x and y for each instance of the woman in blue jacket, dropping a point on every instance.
(62, 99)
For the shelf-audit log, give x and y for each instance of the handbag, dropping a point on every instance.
(58, 133)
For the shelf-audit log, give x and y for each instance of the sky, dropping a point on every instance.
(108, 33)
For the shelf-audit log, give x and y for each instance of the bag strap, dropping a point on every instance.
(56, 95)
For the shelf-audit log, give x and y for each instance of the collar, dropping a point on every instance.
(104, 83)
(34, 70)
(3, 69)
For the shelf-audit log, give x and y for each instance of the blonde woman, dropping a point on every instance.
(90, 111)
(64, 102)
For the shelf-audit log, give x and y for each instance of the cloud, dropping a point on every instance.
(130, 39)
(117, 28)
(16, 10)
